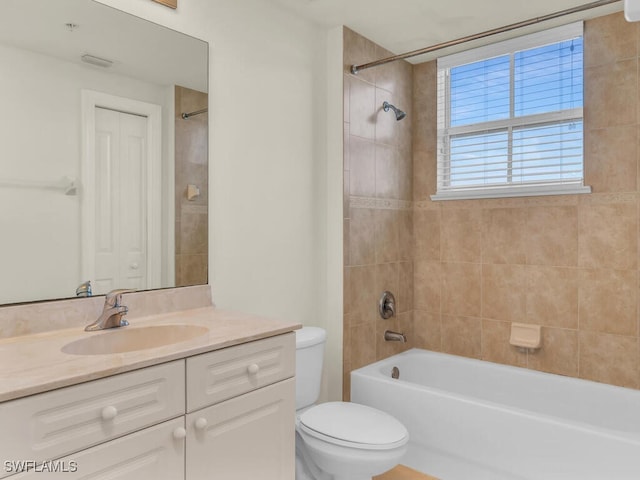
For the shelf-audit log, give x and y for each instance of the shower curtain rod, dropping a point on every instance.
(356, 68)
(197, 112)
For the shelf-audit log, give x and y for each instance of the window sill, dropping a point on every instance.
(506, 192)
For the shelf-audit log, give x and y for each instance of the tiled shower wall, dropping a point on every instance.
(568, 263)
(191, 167)
(464, 270)
(377, 214)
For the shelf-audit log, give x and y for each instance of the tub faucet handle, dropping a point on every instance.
(387, 305)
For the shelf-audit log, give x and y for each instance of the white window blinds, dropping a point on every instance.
(510, 117)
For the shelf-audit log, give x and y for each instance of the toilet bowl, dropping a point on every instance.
(338, 440)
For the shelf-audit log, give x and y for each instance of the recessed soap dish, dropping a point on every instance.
(526, 336)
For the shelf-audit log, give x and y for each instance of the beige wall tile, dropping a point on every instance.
(559, 352)
(404, 295)
(387, 278)
(387, 172)
(362, 236)
(460, 234)
(608, 235)
(496, 347)
(346, 378)
(462, 335)
(363, 293)
(609, 358)
(346, 290)
(426, 224)
(552, 235)
(378, 169)
(427, 278)
(610, 38)
(362, 171)
(424, 172)
(362, 338)
(405, 235)
(552, 296)
(346, 154)
(345, 193)
(358, 50)
(611, 159)
(387, 235)
(611, 95)
(504, 235)
(461, 287)
(346, 227)
(609, 301)
(504, 292)
(568, 262)
(427, 330)
(362, 109)
(346, 90)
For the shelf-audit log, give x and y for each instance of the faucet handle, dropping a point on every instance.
(114, 297)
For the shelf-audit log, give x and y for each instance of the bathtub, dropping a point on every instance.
(475, 420)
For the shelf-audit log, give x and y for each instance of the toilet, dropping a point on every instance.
(338, 440)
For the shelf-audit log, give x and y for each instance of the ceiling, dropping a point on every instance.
(406, 25)
(137, 48)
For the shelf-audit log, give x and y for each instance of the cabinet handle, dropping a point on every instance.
(253, 368)
(109, 413)
(179, 433)
(201, 423)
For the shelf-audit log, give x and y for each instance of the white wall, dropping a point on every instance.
(40, 141)
(268, 158)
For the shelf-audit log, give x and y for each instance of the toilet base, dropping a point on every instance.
(315, 459)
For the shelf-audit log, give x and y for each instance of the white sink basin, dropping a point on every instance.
(125, 339)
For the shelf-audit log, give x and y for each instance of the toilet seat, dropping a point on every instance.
(353, 425)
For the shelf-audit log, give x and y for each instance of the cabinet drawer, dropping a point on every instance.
(150, 454)
(223, 374)
(60, 422)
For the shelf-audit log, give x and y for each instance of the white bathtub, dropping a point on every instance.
(475, 420)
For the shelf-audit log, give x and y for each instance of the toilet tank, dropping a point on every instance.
(309, 356)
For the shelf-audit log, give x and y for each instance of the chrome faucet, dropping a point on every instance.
(390, 336)
(84, 289)
(112, 312)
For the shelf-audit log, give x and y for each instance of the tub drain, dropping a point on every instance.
(395, 372)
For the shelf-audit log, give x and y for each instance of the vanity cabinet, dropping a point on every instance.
(241, 411)
(226, 414)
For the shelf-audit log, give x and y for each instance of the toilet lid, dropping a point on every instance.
(354, 423)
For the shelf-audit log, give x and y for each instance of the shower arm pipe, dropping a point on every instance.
(507, 28)
(191, 114)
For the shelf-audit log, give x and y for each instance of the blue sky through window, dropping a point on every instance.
(536, 81)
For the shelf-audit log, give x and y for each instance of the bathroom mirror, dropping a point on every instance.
(102, 177)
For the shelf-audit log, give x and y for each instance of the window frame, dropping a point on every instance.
(445, 132)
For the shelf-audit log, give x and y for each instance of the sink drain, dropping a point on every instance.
(395, 372)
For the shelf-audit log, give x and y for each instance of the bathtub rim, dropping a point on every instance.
(374, 370)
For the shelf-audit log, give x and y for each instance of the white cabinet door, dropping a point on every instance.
(155, 453)
(248, 437)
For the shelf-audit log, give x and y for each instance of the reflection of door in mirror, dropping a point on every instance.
(120, 248)
(121, 214)
(191, 204)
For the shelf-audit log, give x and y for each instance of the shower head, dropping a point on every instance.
(399, 113)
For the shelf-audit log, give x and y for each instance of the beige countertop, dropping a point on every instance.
(36, 363)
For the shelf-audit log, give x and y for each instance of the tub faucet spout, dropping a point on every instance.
(390, 336)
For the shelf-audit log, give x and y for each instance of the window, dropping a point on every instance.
(510, 118)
